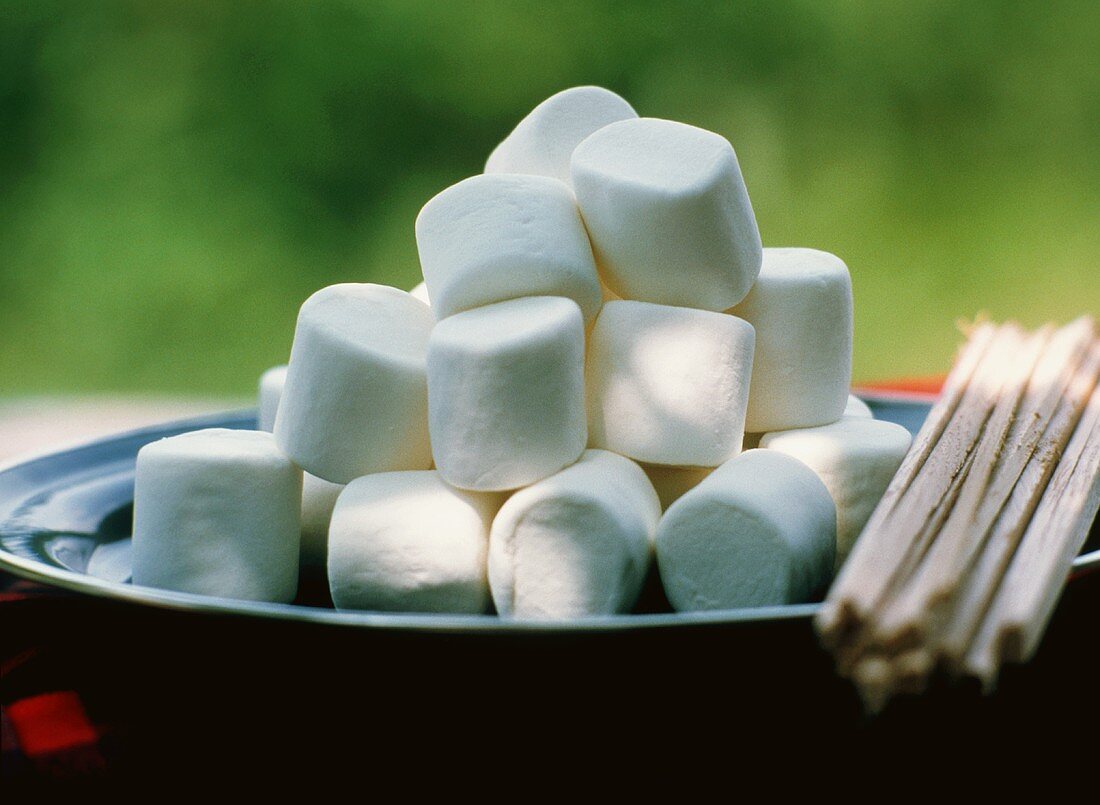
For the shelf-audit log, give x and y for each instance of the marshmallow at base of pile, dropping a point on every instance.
(495, 237)
(420, 291)
(318, 495)
(356, 399)
(270, 392)
(668, 385)
(575, 544)
(672, 483)
(408, 542)
(758, 531)
(857, 408)
(318, 500)
(216, 512)
(506, 392)
(801, 307)
(668, 214)
(855, 458)
(543, 142)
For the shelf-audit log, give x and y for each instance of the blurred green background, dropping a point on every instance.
(176, 177)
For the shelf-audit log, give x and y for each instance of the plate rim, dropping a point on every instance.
(419, 622)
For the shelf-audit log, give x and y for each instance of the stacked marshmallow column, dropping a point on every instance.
(668, 385)
(575, 544)
(668, 213)
(496, 237)
(544, 141)
(216, 512)
(356, 397)
(801, 307)
(506, 392)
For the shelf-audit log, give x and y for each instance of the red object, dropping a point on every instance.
(918, 385)
(50, 723)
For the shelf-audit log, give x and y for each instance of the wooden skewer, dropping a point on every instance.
(920, 609)
(911, 671)
(890, 538)
(833, 617)
(985, 580)
(962, 561)
(1030, 589)
(873, 678)
(1048, 384)
(860, 642)
(845, 608)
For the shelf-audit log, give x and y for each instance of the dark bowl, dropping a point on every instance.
(165, 657)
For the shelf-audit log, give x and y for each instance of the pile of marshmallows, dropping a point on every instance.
(605, 339)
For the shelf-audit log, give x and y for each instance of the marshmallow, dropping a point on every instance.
(544, 140)
(668, 214)
(355, 400)
(801, 307)
(318, 495)
(271, 389)
(506, 392)
(855, 458)
(408, 542)
(668, 385)
(490, 238)
(318, 500)
(759, 531)
(672, 483)
(857, 408)
(575, 544)
(216, 512)
(420, 291)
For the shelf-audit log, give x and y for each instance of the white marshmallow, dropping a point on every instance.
(668, 214)
(490, 238)
(506, 392)
(575, 544)
(855, 458)
(857, 408)
(318, 500)
(216, 512)
(801, 307)
(271, 389)
(668, 385)
(318, 495)
(356, 399)
(420, 291)
(672, 483)
(759, 531)
(408, 542)
(544, 140)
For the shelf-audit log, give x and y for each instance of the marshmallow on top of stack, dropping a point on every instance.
(604, 330)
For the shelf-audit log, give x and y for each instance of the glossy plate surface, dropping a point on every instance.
(65, 521)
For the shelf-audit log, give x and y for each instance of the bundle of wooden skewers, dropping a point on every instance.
(962, 562)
